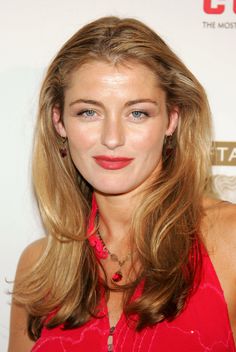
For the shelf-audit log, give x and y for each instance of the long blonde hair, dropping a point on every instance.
(165, 225)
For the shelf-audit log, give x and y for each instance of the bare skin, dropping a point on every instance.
(19, 339)
(219, 237)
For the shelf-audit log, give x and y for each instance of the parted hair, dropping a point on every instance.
(64, 285)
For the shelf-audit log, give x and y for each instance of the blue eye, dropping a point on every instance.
(87, 114)
(139, 114)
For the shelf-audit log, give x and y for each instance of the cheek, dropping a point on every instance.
(149, 141)
(79, 140)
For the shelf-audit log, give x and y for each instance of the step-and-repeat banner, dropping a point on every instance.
(201, 32)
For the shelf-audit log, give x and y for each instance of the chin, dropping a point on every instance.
(113, 189)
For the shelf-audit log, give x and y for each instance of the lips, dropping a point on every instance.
(112, 163)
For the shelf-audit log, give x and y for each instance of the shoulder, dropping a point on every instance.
(219, 221)
(219, 233)
(219, 237)
(31, 254)
(18, 336)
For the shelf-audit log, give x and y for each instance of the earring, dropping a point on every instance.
(63, 149)
(168, 145)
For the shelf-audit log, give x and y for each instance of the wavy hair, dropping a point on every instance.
(165, 225)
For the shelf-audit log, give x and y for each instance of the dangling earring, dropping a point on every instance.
(63, 149)
(168, 145)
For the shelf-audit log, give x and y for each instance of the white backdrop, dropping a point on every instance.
(31, 32)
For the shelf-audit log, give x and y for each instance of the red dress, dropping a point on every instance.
(203, 326)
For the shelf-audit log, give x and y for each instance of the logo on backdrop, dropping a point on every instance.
(224, 153)
(219, 8)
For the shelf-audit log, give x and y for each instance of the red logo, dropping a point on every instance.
(216, 9)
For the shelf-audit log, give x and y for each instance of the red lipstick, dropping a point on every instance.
(111, 162)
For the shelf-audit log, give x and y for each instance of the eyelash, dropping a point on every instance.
(143, 114)
(83, 113)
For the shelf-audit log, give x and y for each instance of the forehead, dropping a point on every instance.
(101, 77)
(107, 72)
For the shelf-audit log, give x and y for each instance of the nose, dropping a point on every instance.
(113, 134)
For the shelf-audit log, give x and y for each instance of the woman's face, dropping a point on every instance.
(115, 119)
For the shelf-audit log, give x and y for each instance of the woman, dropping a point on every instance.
(137, 254)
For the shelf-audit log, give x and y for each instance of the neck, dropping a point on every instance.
(115, 214)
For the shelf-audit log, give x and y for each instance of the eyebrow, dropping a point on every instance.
(129, 103)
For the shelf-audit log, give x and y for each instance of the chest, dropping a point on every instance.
(114, 308)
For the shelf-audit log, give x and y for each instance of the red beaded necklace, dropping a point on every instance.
(117, 276)
(102, 252)
(99, 246)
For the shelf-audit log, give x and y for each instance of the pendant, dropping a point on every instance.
(117, 276)
(63, 152)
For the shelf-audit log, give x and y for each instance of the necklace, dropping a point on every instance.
(117, 276)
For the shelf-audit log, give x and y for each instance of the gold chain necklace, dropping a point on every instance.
(117, 276)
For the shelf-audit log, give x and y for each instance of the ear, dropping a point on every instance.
(57, 121)
(173, 121)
